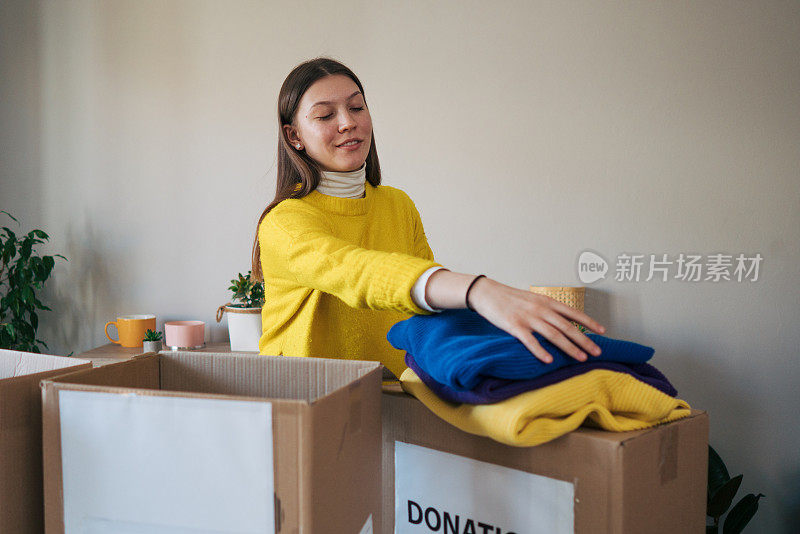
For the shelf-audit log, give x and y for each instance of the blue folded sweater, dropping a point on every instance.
(458, 348)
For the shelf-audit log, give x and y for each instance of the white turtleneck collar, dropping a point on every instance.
(343, 184)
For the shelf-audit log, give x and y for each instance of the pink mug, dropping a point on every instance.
(184, 334)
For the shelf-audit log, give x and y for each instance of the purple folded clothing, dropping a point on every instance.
(490, 390)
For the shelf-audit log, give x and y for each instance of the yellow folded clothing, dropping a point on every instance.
(609, 399)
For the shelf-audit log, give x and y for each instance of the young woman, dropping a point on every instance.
(343, 258)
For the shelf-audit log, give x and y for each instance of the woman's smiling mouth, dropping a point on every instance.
(350, 145)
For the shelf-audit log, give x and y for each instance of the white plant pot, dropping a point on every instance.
(244, 328)
(151, 346)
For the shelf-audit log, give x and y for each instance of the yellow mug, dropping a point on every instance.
(131, 329)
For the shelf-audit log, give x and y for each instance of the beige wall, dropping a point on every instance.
(142, 137)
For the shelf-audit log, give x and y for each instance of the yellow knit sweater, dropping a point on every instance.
(608, 399)
(338, 274)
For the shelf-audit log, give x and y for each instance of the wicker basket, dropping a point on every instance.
(571, 296)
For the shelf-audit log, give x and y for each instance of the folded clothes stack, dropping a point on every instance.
(484, 381)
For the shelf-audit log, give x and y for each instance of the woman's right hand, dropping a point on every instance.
(517, 312)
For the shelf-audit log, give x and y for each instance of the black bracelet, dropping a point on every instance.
(466, 297)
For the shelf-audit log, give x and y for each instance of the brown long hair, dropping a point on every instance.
(295, 166)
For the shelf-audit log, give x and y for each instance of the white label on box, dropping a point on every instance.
(155, 464)
(449, 494)
(367, 528)
(94, 525)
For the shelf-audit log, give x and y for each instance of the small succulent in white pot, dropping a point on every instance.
(244, 313)
(151, 341)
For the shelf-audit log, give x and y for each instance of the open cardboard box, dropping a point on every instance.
(204, 442)
(437, 478)
(21, 501)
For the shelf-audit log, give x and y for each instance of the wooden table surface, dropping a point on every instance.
(111, 352)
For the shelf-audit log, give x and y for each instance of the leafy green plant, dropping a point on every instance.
(246, 293)
(721, 491)
(23, 273)
(152, 335)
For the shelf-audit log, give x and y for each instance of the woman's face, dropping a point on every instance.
(331, 112)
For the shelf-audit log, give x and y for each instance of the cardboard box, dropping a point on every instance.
(204, 442)
(21, 501)
(587, 481)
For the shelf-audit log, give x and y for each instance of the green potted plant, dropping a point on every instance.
(244, 313)
(721, 491)
(151, 341)
(23, 273)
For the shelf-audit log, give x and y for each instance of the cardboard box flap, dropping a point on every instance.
(135, 373)
(16, 363)
(254, 375)
(21, 435)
